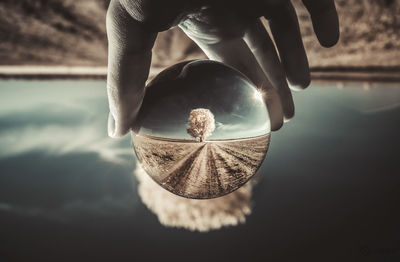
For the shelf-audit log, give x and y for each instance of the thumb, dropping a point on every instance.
(129, 58)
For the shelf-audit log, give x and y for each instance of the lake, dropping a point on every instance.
(329, 188)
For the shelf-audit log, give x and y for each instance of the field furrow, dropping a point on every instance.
(201, 169)
(177, 178)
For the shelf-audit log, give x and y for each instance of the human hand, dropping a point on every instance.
(226, 31)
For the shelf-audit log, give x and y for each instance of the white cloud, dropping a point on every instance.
(59, 140)
(229, 127)
(84, 102)
(238, 130)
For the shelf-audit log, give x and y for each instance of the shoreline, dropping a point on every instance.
(357, 74)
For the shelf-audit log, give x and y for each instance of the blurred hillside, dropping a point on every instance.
(369, 34)
(72, 33)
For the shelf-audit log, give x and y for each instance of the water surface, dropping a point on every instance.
(329, 186)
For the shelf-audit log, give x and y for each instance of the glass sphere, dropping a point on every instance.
(203, 129)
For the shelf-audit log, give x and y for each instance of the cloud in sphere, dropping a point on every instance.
(193, 214)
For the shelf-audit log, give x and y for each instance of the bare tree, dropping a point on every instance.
(201, 123)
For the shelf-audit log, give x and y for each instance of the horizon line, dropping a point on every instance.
(194, 140)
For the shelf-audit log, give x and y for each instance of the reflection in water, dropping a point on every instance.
(368, 97)
(331, 180)
(193, 214)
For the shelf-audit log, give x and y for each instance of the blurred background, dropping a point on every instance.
(328, 189)
(72, 33)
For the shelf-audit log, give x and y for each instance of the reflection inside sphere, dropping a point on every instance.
(203, 129)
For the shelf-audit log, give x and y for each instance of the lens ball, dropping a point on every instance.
(203, 129)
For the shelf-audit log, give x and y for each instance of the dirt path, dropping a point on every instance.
(215, 185)
(182, 170)
(232, 171)
(243, 158)
(211, 169)
(203, 170)
(197, 174)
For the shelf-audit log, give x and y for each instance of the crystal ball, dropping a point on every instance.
(203, 129)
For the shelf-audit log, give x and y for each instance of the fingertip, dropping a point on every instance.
(288, 115)
(276, 125)
(120, 132)
(275, 108)
(111, 126)
(287, 106)
(299, 82)
(326, 28)
(115, 129)
(285, 120)
(276, 116)
(330, 41)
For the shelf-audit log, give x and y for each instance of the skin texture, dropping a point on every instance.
(227, 31)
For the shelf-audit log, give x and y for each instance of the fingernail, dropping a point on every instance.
(288, 110)
(285, 119)
(111, 125)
